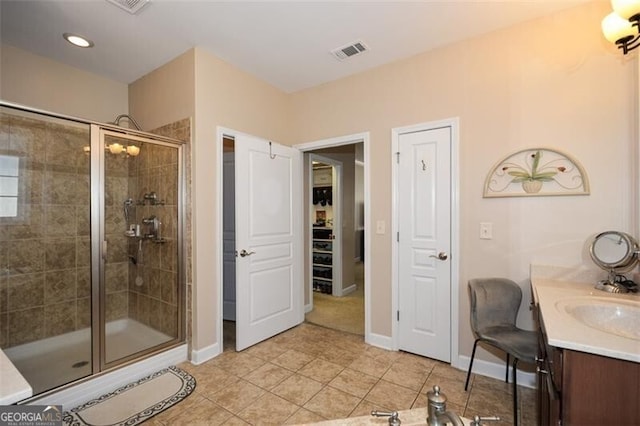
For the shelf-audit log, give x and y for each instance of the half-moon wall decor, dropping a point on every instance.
(536, 172)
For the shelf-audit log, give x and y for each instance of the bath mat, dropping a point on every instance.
(136, 402)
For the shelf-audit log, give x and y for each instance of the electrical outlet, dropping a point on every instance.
(486, 230)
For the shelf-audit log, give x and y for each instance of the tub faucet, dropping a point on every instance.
(437, 414)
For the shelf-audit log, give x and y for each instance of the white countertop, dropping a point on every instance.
(13, 387)
(565, 331)
(414, 417)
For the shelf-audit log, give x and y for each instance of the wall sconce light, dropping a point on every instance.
(622, 26)
(116, 148)
(133, 150)
(129, 150)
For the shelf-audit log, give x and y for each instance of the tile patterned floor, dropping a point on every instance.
(310, 373)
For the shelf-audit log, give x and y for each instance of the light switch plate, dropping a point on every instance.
(380, 227)
(486, 230)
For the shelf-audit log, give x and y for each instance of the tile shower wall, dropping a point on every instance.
(44, 250)
(181, 130)
(153, 281)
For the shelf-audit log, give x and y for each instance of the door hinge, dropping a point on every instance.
(398, 236)
(398, 157)
(397, 315)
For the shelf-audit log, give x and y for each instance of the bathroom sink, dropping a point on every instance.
(619, 317)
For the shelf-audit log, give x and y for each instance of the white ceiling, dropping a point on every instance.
(285, 43)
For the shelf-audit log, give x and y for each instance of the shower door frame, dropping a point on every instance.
(99, 246)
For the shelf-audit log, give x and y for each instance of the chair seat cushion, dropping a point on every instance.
(522, 344)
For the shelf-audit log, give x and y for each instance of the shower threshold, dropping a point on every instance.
(56, 361)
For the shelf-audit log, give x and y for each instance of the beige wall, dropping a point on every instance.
(227, 97)
(41, 83)
(166, 94)
(551, 82)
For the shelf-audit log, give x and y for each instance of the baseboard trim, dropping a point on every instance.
(384, 342)
(349, 289)
(205, 354)
(496, 371)
(308, 308)
(93, 388)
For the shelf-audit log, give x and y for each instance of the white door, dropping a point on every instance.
(229, 238)
(424, 225)
(269, 296)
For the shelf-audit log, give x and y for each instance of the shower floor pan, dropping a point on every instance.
(55, 361)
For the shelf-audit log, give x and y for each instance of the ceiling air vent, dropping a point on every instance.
(350, 50)
(131, 6)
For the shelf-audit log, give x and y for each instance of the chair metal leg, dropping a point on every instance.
(473, 354)
(506, 374)
(515, 392)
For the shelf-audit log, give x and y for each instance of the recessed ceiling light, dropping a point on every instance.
(77, 40)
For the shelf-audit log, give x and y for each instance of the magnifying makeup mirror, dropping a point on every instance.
(615, 252)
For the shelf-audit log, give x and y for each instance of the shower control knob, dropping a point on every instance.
(244, 253)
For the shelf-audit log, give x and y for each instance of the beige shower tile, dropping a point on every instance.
(298, 389)
(83, 312)
(332, 403)
(321, 370)
(60, 187)
(25, 256)
(386, 393)
(60, 318)
(353, 382)
(117, 305)
(268, 409)
(25, 291)
(60, 221)
(25, 326)
(60, 286)
(60, 253)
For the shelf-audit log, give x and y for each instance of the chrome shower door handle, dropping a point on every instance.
(441, 256)
(244, 253)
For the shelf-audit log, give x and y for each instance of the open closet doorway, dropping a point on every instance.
(335, 237)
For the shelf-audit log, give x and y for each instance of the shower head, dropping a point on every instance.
(128, 117)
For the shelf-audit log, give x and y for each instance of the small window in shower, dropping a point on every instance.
(9, 175)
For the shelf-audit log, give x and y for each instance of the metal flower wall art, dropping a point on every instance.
(536, 171)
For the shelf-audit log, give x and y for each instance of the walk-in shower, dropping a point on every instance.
(91, 275)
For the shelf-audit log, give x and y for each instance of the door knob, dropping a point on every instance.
(441, 256)
(244, 253)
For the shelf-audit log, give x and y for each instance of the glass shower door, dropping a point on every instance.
(141, 285)
(45, 266)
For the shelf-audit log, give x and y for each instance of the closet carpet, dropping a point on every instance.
(344, 313)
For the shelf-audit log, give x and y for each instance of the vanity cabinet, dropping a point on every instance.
(579, 388)
(322, 260)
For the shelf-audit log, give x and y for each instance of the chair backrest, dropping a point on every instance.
(494, 302)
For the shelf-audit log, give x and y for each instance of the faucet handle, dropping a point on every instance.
(394, 420)
(478, 421)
